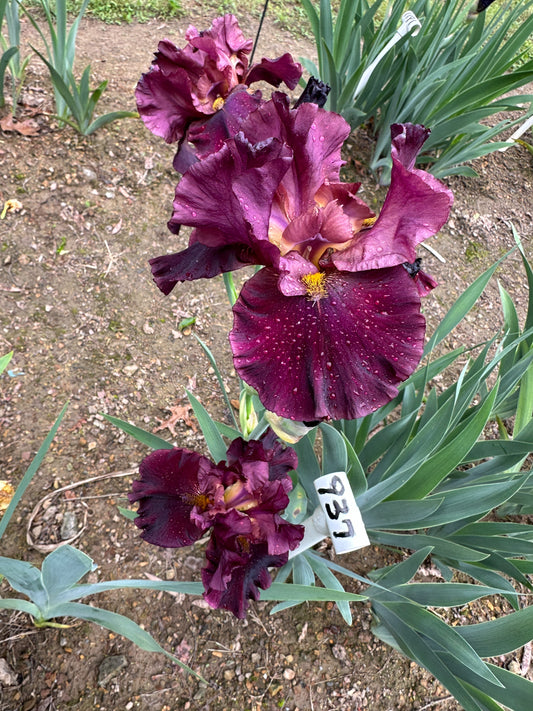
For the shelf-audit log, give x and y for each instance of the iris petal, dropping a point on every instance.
(164, 103)
(166, 494)
(199, 262)
(338, 357)
(275, 71)
(236, 567)
(208, 135)
(243, 178)
(281, 460)
(416, 207)
(315, 136)
(222, 41)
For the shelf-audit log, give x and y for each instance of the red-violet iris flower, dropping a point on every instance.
(199, 94)
(332, 325)
(182, 494)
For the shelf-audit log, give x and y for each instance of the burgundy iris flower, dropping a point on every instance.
(182, 495)
(199, 94)
(332, 325)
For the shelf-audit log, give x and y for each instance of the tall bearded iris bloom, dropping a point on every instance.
(199, 94)
(332, 324)
(182, 495)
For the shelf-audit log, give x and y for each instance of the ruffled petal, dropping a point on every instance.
(166, 494)
(315, 136)
(228, 195)
(416, 207)
(318, 229)
(165, 104)
(168, 58)
(281, 459)
(345, 195)
(280, 535)
(236, 568)
(340, 356)
(208, 136)
(223, 42)
(275, 71)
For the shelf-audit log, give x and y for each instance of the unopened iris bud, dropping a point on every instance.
(316, 92)
(247, 414)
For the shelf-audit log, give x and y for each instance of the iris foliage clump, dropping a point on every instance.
(75, 102)
(451, 71)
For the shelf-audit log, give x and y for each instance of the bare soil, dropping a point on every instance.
(87, 325)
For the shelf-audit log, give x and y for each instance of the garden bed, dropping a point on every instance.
(87, 324)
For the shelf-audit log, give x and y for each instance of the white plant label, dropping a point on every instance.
(343, 518)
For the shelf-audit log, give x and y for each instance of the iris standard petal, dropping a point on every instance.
(222, 42)
(281, 459)
(416, 206)
(165, 104)
(315, 137)
(167, 491)
(228, 194)
(208, 135)
(275, 71)
(340, 355)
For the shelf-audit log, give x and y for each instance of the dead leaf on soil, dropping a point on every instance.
(28, 127)
(183, 651)
(6, 494)
(178, 413)
(12, 205)
(116, 228)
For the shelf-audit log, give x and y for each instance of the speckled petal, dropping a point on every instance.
(165, 492)
(341, 356)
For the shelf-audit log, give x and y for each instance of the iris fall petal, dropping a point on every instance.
(340, 356)
(166, 494)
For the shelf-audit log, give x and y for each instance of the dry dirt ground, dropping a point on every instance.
(86, 323)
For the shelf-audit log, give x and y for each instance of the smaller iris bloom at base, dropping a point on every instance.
(183, 495)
